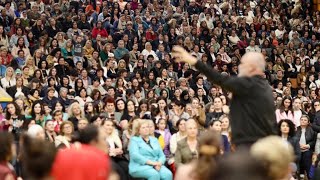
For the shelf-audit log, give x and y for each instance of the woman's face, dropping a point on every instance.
(58, 107)
(37, 109)
(120, 105)
(19, 31)
(150, 94)
(67, 129)
(144, 107)
(182, 126)
(90, 107)
(20, 41)
(130, 106)
(162, 104)
(217, 103)
(284, 128)
(192, 130)
(54, 72)
(287, 103)
(83, 93)
(225, 123)
(108, 126)
(164, 72)
(195, 103)
(58, 116)
(11, 109)
(76, 110)
(79, 83)
(52, 82)
(10, 72)
(38, 74)
(164, 94)
(216, 126)
(145, 129)
(162, 124)
(36, 94)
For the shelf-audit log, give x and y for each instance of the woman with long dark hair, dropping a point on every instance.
(37, 113)
(285, 110)
(20, 45)
(14, 119)
(286, 129)
(128, 114)
(75, 114)
(90, 110)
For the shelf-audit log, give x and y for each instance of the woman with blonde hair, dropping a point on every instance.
(188, 43)
(75, 113)
(116, 152)
(31, 65)
(188, 148)
(209, 151)
(60, 38)
(88, 50)
(276, 155)
(9, 79)
(65, 137)
(148, 51)
(146, 156)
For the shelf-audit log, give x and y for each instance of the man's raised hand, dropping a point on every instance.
(181, 55)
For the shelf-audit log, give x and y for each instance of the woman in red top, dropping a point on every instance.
(5, 57)
(57, 120)
(99, 30)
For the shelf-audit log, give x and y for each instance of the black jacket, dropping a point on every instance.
(252, 109)
(294, 141)
(316, 122)
(310, 136)
(13, 90)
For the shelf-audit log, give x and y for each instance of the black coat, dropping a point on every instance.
(294, 141)
(13, 90)
(310, 136)
(252, 106)
(316, 122)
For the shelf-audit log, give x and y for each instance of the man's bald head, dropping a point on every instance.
(252, 63)
(254, 58)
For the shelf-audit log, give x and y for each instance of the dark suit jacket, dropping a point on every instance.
(294, 141)
(13, 90)
(310, 136)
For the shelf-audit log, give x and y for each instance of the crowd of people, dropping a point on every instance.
(101, 76)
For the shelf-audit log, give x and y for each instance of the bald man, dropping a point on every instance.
(252, 110)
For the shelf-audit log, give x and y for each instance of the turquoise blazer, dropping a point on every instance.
(140, 152)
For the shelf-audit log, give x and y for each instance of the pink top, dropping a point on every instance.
(284, 115)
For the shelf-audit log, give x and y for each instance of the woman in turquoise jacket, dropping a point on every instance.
(146, 156)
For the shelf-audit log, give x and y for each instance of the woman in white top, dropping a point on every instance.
(66, 131)
(148, 51)
(4, 40)
(225, 57)
(181, 124)
(9, 79)
(83, 97)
